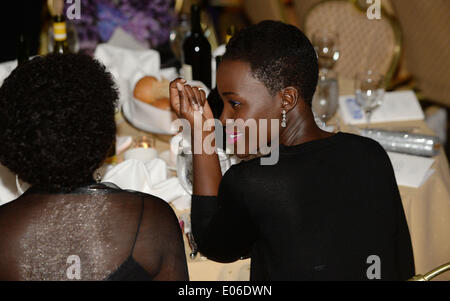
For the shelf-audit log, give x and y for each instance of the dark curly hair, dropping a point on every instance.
(280, 55)
(57, 120)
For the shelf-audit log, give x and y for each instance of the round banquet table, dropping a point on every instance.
(427, 208)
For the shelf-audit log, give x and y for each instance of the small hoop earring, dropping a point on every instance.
(284, 119)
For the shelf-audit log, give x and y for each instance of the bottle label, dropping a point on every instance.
(59, 31)
(186, 72)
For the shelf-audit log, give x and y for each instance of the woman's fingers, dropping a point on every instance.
(192, 98)
(197, 96)
(203, 97)
(186, 100)
(207, 112)
(174, 94)
(184, 105)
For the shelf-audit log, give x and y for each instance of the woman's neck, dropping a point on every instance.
(301, 127)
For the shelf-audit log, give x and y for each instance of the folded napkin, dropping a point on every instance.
(149, 177)
(396, 106)
(411, 171)
(124, 63)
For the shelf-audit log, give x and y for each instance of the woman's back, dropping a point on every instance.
(92, 233)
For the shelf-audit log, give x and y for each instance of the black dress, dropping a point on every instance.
(115, 234)
(318, 214)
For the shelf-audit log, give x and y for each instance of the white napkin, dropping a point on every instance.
(5, 69)
(396, 106)
(121, 38)
(130, 174)
(124, 63)
(149, 177)
(8, 187)
(122, 143)
(411, 171)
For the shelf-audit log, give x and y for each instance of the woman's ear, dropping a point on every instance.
(289, 98)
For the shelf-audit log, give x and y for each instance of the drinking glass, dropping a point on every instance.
(326, 44)
(177, 35)
(142, 148)
(142, 142)
(369, 92)
(325, 100)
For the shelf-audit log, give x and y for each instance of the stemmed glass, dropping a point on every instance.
(326, 44)
(325, 101)
(177, 35)
(369, 92)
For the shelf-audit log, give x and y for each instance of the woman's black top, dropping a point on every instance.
(328, 210)
(130, 270)
(101, 231)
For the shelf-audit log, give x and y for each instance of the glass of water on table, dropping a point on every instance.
(369, 92)
(325, 101)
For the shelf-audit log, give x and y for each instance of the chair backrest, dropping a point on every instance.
(259, 10)
(302, 7)
(426, 27)
(364, 43)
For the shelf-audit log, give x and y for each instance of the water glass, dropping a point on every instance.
(326, 44)
(325, 100)
(369, 92)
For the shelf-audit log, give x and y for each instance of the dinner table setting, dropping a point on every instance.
(151, 156)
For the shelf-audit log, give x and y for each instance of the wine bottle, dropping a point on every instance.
(60, 35)
(196, 52)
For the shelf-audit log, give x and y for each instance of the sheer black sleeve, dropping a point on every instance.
(222, 225)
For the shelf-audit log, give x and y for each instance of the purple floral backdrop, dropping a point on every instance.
(149, 21)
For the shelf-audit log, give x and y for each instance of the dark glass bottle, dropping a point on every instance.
(197, 52)
(60, 35)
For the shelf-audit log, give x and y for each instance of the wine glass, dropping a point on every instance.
(369, 92)
(325, 43)
(177, 35)
(325, 100)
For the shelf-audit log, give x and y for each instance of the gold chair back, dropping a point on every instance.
(430, 275)
(363, 43)
(426, 28)
(260, 10)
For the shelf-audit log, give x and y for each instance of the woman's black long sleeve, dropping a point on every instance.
(321, 213)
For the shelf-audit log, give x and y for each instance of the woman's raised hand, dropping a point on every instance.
(186, 100)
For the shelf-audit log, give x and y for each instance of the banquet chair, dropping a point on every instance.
(432, 274)
(259, 10)
(363, 43)
(426, 31)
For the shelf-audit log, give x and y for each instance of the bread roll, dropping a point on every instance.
(145, 89)
(162, 103)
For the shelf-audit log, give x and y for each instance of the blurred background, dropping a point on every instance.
(410, 42)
